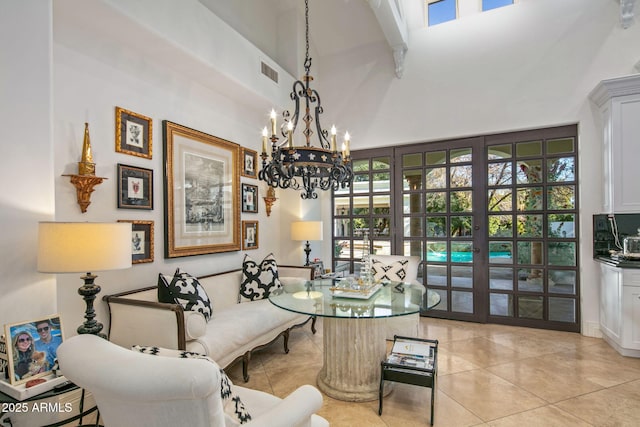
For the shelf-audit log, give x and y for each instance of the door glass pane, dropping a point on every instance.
(437, 202)
(530, 253)
(436, 275)
(342, 227)
(381, 247)
(562, 282)
(530, 307)
(361, 165)
(462, 302)
(360, 205)
(437, 251)
(500, 200)
(436, 158)
(562, 253)
(412, 179)
(444, 300)
(561, 170)
(361, 183)
(360, 226)
(529, 225)
(412, 160)
(382, 227)
(381, 182)
(529, 149)
(341, 206)
(412, 203)
(501, 252)
(461, 252)
(436, 178)
(499, 174)
(530, 280)
(558, 146)
(500, 226)
(501, 305)
(413, 227)
(436, 226)
(461, 155)
(461, 176)
(341, 267)
(501, 278)
(562, 309)
(462, 276)
(561, 197)
(381, 163)
(461, 226)
(499, 152)
(561, 225)
(381, 205)
(530, 199)
(412, 248)
(529, 171)
(461, 201)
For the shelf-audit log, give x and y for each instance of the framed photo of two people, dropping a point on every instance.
(32, 347)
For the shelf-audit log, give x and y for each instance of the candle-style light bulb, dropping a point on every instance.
(347, 138)
(273, 122)
(333, 138)
(290, 134)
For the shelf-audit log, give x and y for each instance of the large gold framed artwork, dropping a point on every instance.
(202, 197)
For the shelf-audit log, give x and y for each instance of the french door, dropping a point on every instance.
(493, 218)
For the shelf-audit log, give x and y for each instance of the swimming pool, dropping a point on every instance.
(463, 256)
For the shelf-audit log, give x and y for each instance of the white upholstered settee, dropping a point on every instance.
(234, 331)
(141, 390)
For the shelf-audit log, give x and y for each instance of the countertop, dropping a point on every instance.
(616, 262)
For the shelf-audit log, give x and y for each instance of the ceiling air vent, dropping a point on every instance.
(269, 72)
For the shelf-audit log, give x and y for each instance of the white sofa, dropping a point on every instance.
(135, 389)
(234, 331)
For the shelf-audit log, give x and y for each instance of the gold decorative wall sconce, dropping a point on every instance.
(86, 179)
(270, 199)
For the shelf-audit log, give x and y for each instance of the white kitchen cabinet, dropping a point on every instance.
(620, 308)
(619, 103)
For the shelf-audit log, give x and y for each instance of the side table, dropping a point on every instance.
(411, 368)
(46, 407)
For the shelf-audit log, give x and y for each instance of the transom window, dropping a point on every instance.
(439, 11)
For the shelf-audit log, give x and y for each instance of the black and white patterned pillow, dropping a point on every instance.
(231, 402)
(259, 280)
(185, 290)
(395, 272)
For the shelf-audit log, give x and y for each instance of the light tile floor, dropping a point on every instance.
(488, 375)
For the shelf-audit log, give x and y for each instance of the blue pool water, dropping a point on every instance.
(462, 256)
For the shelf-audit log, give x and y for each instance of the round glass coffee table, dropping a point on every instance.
(353, 327)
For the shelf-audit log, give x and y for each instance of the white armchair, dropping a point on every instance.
(135, 389)
(404, 325)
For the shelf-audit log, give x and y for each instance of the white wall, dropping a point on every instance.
(524, 66)
(27, 162)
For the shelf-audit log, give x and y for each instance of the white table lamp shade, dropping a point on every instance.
(306, 230)
(82, 247)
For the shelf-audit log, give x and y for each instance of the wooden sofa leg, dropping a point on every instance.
(245, 366)
(285, 335)
(313, 325)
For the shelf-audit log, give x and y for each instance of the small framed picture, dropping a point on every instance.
(249, 235)
(249, 163)
(135, 187)
(32, 347)
(249, 198)
(133, 133)
(318, 268)
(142, 247)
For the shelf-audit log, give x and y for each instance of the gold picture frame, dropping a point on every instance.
(142, 241)
(202, 192)
(134, 134)
(249, 166)
(37, 358)
(249, 235)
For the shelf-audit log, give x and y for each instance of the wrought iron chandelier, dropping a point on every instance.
(305, 167)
